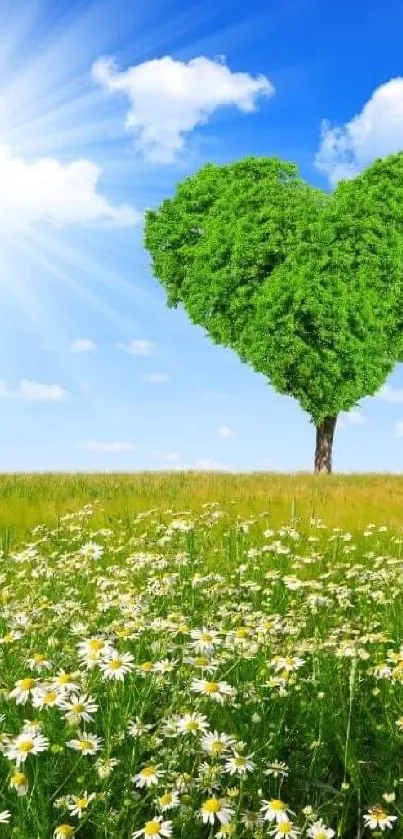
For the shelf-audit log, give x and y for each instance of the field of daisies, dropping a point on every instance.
(197, 675)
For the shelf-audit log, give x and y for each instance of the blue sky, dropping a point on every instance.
(104, 107)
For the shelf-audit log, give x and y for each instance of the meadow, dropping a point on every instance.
(201, 655)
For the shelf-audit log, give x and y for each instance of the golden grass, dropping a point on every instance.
(347, 501)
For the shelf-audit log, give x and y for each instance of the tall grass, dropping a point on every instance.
(347, 501)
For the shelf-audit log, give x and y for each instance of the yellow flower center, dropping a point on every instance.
(212, 805)
(147, 665)
(64, 831)
(82, 803)
(26, 746)
(50, 696)
(277, 805)
(378, 813)
(96, 644)
(26, 684)
(202, 661)
(85, 744)
(192, 726)
(206, 637)
(152, 828)
(211, 687)
(166, 799)
(19, 779)
(64, 679)
(38, 657)
(242, 632)
(115, 663)
(240, 761)
(148, 771)
(217, 747)
(78, 707)
(285, 827)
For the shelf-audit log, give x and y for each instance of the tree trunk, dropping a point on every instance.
(324, 445)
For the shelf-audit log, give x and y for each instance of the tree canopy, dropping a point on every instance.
(305, 285)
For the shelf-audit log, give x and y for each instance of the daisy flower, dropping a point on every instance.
(79, 708)
(168, 800)
(14, 635)
(92, 649)
(106, 766)
(154, 828)
(193, 723)
(214, 690)
(38, 661)
(204, 640)
(288, 664)
(216, 808)
(274, 810)
(377, 817)
(22, 690)
(5, 816)
(202, 661)
(239, 765)
(65, 681)
(24, 745)
(19, 782)
(164, 666)
(284, 830)
(63, 831)
(277, 769)
(79, 804)
(251, 819)
(148, 776)
(319, 831)
(45, 697)
(116, 665)
(91, 551)
(87, 744)
(216, 744)
(136, 727)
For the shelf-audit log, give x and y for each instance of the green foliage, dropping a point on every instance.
(306, 286)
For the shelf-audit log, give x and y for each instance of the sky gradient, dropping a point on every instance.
(104, 107)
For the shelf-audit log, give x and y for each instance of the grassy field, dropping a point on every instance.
(349, 501)
(201, 655)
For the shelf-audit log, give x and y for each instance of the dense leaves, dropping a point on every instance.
(306, 286)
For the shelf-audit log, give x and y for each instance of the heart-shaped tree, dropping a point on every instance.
(306, 286)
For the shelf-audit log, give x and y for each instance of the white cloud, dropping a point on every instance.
(156, 378)
(98, 446)
(58, 193)
(351, 418)
(169, 98)
(82, 345)
(374, 132)
(137, 347)
(390, 394)
(33, 392)
(399, 429)
(226, 433)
